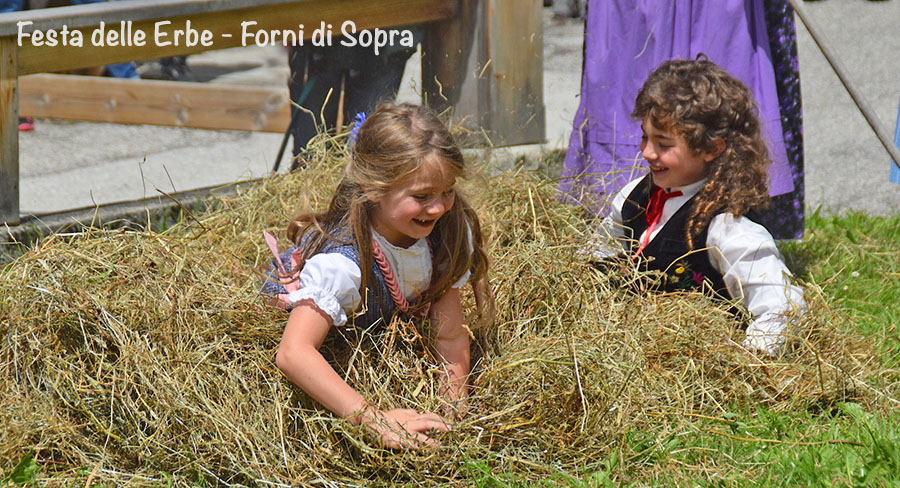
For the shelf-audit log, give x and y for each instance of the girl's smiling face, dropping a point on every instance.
(409, 210)
(672, 162)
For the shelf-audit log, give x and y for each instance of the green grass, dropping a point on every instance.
(855, 259)
(844, 447)
(23, 474)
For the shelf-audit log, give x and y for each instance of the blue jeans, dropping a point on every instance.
(10, 5)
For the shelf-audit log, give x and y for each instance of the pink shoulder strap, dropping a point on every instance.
(289, 283)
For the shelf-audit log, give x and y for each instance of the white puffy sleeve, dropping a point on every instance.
(610, 239)
(753, 270)
(331, 281)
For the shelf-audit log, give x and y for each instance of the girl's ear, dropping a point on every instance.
(717, 146)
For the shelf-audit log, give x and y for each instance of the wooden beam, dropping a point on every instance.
(226, 29)
(9, 133)
(487, 64)
(517, 65)
(91, 14)
(449, 53)
(169, 103)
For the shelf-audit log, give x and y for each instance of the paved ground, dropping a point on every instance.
(67, 165)
(846, 166)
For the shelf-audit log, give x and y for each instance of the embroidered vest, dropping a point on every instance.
(668, 251)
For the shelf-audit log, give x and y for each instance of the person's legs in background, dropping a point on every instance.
(315, 71)
(374, 80)
(318, 73)
(175, 68)
(568, 8)
(122, 70)
(10, 5)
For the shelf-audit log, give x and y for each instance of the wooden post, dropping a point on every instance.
(487, 64)
(9, 132)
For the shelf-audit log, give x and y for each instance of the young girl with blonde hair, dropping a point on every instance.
(692, 216)
(395, 238)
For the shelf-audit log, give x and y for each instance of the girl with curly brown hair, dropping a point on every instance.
(692, 217)
(396, 238)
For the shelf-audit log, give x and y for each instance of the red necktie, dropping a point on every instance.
(654, 211)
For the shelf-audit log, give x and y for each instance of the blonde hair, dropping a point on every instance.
(394, 142)
(703, 103)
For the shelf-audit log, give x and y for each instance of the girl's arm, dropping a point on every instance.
(753, 270)
(452, 345)
(299, 358)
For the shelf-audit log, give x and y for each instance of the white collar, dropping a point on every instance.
(416, 248)
(689, 190)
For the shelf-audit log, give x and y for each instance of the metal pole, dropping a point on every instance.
(883, 135)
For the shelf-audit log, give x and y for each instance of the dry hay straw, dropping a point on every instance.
(133, 354)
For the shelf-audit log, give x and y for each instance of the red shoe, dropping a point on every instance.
(26, 124)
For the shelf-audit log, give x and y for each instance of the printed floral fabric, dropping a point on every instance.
(680, 276)
(784, 217)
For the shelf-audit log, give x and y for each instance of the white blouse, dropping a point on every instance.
(742, 250)
(332, 280)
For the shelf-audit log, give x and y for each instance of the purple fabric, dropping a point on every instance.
(895, 173)
(784, 217)
(624, 41)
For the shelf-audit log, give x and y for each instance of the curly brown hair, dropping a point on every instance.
(701, 102)
(394, 142)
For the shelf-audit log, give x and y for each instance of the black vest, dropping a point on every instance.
(668, 252)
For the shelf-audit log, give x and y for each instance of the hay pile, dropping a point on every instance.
(147, 357)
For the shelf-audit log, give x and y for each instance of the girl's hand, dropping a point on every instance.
(455, 392)
(455, 410)
(404, 428)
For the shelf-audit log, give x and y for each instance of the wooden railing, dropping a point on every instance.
(482, 58)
